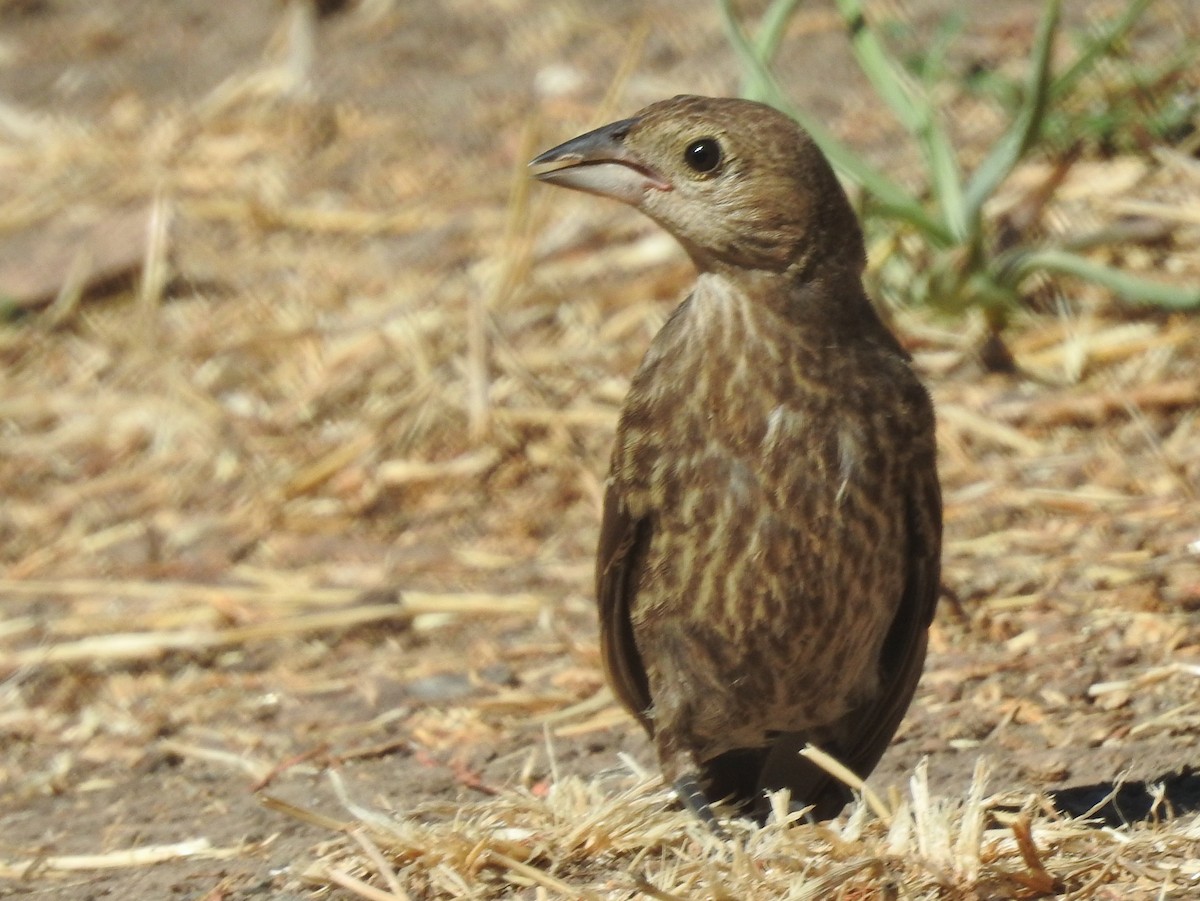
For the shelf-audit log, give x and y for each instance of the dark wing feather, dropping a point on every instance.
(624, 542)
(860, 738)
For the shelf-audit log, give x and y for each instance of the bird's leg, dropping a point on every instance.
(682, 771)
(687, 787)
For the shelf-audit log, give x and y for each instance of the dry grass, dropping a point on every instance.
(337, 420)
(599, 840)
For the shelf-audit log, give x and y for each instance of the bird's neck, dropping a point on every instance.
(828, 304)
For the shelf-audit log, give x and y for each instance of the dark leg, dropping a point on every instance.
(692, 795)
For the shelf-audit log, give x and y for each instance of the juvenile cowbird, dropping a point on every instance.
(770, 545)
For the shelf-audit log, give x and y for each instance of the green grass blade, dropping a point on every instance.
(774, 24)
(889, 81)
(1027, 125)
(916, 113)
(758, 83)
(1096, 48)
(1129, 287)
(932, 66)
(892, 197)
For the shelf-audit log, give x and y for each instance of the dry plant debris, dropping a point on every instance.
(597, 840)
(319, 489)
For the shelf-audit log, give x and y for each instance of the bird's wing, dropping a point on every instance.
(860, 738)
(903, 655)
(624, 542)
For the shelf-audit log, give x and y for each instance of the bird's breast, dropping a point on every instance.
(770, 466)
(728, 398)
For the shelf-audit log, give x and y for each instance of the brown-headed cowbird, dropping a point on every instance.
(770, 545)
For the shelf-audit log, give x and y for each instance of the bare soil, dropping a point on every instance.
(327, 500)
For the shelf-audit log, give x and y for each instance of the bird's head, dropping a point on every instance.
(739, 184)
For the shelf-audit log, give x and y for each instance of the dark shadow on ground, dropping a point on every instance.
(1131, 802)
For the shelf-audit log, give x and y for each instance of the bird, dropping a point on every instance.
(770, 543)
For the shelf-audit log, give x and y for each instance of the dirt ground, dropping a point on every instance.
(326, 500)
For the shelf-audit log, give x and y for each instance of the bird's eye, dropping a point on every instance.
(703, 156)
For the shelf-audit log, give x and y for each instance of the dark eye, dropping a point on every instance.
(704, 155)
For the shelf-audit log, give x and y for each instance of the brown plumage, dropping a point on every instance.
(769, 552)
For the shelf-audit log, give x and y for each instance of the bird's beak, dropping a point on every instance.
(599, 162)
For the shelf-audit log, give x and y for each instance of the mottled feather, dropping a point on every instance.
(768, 559)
